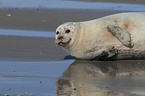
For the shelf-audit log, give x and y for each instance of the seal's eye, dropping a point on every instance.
(67, 31)
(57, 32)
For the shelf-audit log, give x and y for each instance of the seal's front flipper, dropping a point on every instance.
(110, 54)
(121, 34)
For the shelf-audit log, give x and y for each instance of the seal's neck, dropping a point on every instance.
(78, 37)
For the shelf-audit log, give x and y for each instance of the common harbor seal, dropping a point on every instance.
(118, 36)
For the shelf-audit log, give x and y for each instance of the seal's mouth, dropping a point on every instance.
(63, 44)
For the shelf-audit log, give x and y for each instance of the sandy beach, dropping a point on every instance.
(31, 64)
(47, 19)
(17, 48)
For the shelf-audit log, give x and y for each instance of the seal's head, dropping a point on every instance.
(66, 34)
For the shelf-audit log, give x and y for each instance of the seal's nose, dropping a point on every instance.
(60, 37)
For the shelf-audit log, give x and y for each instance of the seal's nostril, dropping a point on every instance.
(60, 37)
(57, 32)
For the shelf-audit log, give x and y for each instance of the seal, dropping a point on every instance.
(117, 36)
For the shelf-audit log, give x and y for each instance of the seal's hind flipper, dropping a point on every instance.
(121, 34)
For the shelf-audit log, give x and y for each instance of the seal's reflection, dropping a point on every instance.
(99, 78)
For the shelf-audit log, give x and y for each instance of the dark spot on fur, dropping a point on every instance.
(74, 89)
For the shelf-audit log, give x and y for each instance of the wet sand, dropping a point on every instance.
(20, 48)
(46, 19)
(32, 65)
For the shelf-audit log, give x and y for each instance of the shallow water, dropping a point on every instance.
(62, 4)
(28, 33)
(26, 78)
(73, 78)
